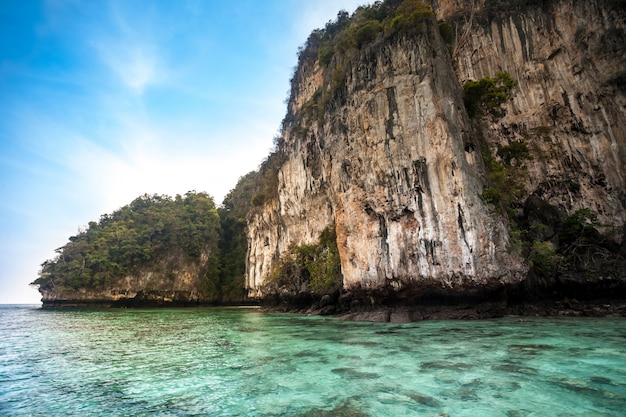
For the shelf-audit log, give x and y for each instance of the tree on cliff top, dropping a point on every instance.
(389, 17)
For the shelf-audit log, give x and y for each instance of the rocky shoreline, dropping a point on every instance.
(402, 313)
(605, 298)
(407, 314)
(398, 313)
(387, 306)
(566, 308)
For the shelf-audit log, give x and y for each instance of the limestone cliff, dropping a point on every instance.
(378, 144)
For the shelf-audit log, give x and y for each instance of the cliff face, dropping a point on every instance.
(393, 161)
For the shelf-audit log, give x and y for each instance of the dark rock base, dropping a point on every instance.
(416, 304)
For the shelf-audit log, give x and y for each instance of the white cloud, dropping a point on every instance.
(20, 263)
(128, 47)
(134, 63)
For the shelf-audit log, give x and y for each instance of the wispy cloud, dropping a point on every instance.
(136, 65)
(129, 47)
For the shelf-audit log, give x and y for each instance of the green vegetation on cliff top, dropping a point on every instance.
(389, 18)
(334, 46)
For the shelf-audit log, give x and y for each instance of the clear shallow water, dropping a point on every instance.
(241, 362)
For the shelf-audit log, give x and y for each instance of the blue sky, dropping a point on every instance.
(102, 101)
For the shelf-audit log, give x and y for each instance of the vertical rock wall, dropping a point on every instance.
(391, 161)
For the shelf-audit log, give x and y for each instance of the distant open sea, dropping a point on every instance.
(243, 362)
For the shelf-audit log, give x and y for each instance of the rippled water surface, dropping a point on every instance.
(241, 362)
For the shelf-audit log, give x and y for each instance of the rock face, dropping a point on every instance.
(181, 285)
(393, 161)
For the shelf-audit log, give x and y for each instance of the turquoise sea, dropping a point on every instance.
(243, 362)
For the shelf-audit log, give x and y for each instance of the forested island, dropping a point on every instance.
(466, 156)
(157, 250)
